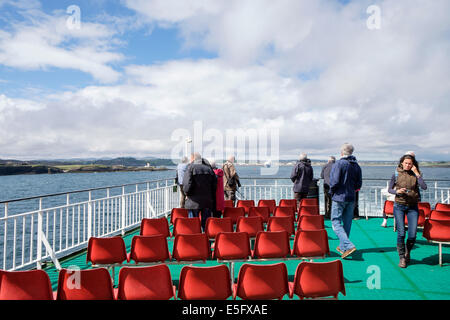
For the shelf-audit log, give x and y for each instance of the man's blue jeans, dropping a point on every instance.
(412, 214)
(341, 221)
(206, 213)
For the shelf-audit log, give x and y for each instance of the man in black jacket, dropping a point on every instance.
(302, 175)
(325, 175)
(199, 185)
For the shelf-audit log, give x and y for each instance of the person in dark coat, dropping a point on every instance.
(302, 174)
(325, 175)
(199, 185)
(345, 179)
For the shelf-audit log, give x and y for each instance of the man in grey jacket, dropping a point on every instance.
(325, 175)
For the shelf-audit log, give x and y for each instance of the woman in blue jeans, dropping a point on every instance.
(405, 185)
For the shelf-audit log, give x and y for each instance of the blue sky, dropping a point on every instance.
(137, 72)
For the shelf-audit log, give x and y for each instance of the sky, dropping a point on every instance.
(115, 78)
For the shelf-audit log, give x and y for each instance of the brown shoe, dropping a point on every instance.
(348, 252)
(339, 250)
(402, 263)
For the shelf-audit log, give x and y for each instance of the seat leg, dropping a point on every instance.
(440, 254)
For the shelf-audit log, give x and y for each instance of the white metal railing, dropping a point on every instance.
(30, 238)
(49, 232)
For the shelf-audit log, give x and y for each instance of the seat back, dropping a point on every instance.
(309, 211)
(311, 222)
(440, 215)
(288, 203)
(187, 226)
(246, 204)
(228, 203)
(25, 285)
(191, 247)
(388, 208)
(271, 204)
(149, 249)
(437, 230)
(442, 207)
(251, 225)
(263, 212)
(262, 282)
(286, 211)
(216, 225)
(233, 213)
(106, 250)
(178, 213)
(91, 284)
(272, 245)
(311, 243)
(145, 283)
(232, 246)
(150, 227)
(205, 283)
(281, 224)
(309, 202)
(319, 279)
(426, 207)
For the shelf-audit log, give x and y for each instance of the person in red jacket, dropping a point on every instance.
(220, 198)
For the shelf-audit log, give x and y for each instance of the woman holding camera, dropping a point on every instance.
(405, 185)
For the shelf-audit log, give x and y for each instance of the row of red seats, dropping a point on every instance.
(441, 211)
(251, 225)
(196, 247)
(311, 280)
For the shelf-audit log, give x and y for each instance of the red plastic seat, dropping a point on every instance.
(233, 213)
(271, 204)
(440, 215)
(228, 204)
(205, 283)
(262, 282)
(286, 211)
(311, 243)
(251, 225)
(437, 230)
(388, 208)
(216, 225)
(426, 207)
(281, 224)
(187, 226)
(313, 222)
(270, 245)
(191, 247)
(246, 204)
(106, 250)
(145, 283)
(420, 221)
(309, 211)
(442, 207)
(318, 280)
(149, 249)
(309, 202)
(92, 284)
(263, 212)
(178, 213)
(232, 246)
(25, 285)
(288, 203)
(150, 227)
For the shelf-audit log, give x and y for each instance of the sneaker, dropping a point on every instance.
(384, 224)
(348, 252)
(339, 250)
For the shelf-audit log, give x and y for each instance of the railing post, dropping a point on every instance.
(147, 212)
(123, 211)
(435, 191)
(5, 236)
(89, 222)
(39, 237)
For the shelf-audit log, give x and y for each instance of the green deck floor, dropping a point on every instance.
(423, 279)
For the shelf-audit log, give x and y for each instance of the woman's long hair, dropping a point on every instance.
(407, 156)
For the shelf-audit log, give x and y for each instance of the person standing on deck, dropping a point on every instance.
(345, 179)
(181, 169)
(302, 174)
(199, 184)
(231, 179)
(220, 196)
(405, 183)
(325, 175)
